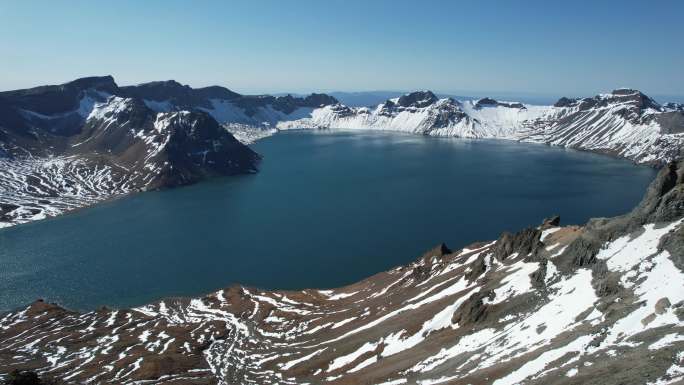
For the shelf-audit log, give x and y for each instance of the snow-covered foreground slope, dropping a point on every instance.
(598, 304)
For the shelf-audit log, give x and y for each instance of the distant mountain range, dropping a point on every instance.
(373, 98)
(624, 123)
(70, 145)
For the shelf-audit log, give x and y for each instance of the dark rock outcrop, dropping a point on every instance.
(181, 96)
(418, 99)
(57, 99)
(473, 311)
(550, 222)
(663, 202)
(674, 244)
(564, 102)
(317, 100)
(286, 104)
(477, 268)
(526, 243)
(489, 102)
(485, 102)
(17, 377)
(437, 251)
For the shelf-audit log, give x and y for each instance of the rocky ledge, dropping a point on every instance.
(596, 304)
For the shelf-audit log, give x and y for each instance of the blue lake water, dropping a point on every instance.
(326, 209)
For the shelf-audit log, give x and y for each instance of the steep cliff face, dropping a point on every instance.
(625, 123)
(596, 304)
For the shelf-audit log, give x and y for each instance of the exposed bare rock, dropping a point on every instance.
(524, 243)
(550, 222)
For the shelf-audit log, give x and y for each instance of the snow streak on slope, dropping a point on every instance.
(266, 116)
(36, 188)
(604, 130)
(419, 120)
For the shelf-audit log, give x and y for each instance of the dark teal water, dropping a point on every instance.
(326, 209)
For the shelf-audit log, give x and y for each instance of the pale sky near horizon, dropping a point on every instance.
(571, 48)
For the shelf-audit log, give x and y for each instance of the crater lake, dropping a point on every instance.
(327, 208)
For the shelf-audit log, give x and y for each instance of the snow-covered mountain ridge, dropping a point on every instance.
(624, 123)
(596, 304)
(68, 146)
(163, 134)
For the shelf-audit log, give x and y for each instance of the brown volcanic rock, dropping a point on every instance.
(524, 243)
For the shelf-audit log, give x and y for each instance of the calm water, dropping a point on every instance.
(326, 209)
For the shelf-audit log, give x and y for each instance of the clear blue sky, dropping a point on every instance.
(566, 48)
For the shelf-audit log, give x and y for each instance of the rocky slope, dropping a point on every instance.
(597, 304)
(625, 123)
(64, 147)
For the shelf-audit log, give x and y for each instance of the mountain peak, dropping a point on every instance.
(564, 102)
(630, 96)
(216, 92)
(417, 99)
(97, 82)
(635, 97)
(52, 99)
(162, 84)
(486, 101)
(489, 102)
(317, 100)
(181, 94)
(625, 91)
(101, 83)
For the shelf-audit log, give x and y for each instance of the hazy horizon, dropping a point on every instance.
(522, 96)
(274, 47)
